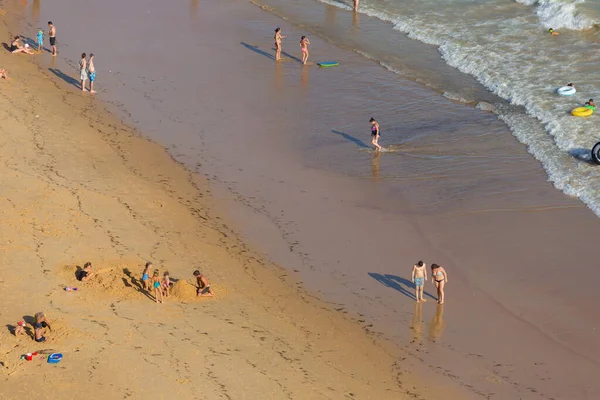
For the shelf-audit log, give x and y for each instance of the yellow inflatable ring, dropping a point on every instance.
(582, 112)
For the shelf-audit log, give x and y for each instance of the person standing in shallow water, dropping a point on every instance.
(91, 72)
(439, 279)
(375, 133)
(83, 71)
(419, 276)
(52, 36)
(355, 5)
(304, 42)
(278, 37)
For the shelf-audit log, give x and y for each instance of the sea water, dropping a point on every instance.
(506, 47)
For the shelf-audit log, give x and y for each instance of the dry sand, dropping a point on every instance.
(77, 186)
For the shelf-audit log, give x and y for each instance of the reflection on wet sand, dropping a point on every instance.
(304, 76)
(330, 14)
(194, 7)
(416, 324)
(278, 76)
(375, 165)
(35, 10)
(437, 325)
(355, 19)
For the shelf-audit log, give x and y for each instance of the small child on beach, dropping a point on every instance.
(166, 284)
(20, 328)
(40, 40)
(146, 276)
(304, 42)
(156, 284)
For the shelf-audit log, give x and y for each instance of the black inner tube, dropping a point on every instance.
(596, 153)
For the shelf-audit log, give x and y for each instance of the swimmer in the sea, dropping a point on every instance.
(553, 32)
(570, 84)
(592, 103)
(304, 42)
(375, 133)
(278, 37)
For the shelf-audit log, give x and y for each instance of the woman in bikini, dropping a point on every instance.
(278, 37)
(375, 134)
(16, 47)
(439, 279)
(304, 42)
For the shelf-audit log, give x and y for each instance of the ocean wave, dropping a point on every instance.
(561, 14)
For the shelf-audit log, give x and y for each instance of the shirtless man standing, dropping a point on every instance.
(203, 288)
(91, 72)
(52, 35)
(419, 276)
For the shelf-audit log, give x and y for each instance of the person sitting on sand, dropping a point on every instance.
(439, 279)
(86, 273)
(203, 288)
(553, 32)
(4, 74)
(146, 276)
(20, 328)
(166, 284)
(419, 276)
(40, 322)
(304, 42)
(156, 284)
(16, 47)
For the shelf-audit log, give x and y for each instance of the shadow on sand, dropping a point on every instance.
(258, 50)
(352, 139)
(398, 283)
(65, 77)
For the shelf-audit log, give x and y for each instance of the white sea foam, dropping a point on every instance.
(561, 14)
(511, 56)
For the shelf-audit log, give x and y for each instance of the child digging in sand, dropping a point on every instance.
(203, 289)
(156, 284)
(20, 328)
(166, 284)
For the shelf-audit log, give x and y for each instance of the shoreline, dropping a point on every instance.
(80, 185)
(454, 224)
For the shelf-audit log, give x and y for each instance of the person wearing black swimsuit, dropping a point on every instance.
(375, 134)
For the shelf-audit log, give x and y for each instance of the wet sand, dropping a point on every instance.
(284, 149)
(79, 185)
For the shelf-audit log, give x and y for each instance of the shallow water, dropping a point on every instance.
(286, 149)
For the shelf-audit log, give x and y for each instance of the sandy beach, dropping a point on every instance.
(260, 175)
(78, 186)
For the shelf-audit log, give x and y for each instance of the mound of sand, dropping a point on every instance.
(183, 290)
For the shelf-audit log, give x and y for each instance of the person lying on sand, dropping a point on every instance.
(203, 288)
(16, 47)
(86, 273)
(20, 328)
(419, 276)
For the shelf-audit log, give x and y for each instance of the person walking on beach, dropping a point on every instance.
(419, 276)
(439, 279)
(52, 36)
(40, 40)
(375, 132)
(203, 288)
(278, 37)
(83, 71)
(92, 72)
(304, 42)
(146, 276)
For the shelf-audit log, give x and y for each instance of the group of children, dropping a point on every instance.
(40, 323)
(162, 287)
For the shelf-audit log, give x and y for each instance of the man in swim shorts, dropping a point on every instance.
(419, 276)
(52, 35)
(91, 72)
(203, 288)
(83, 71)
